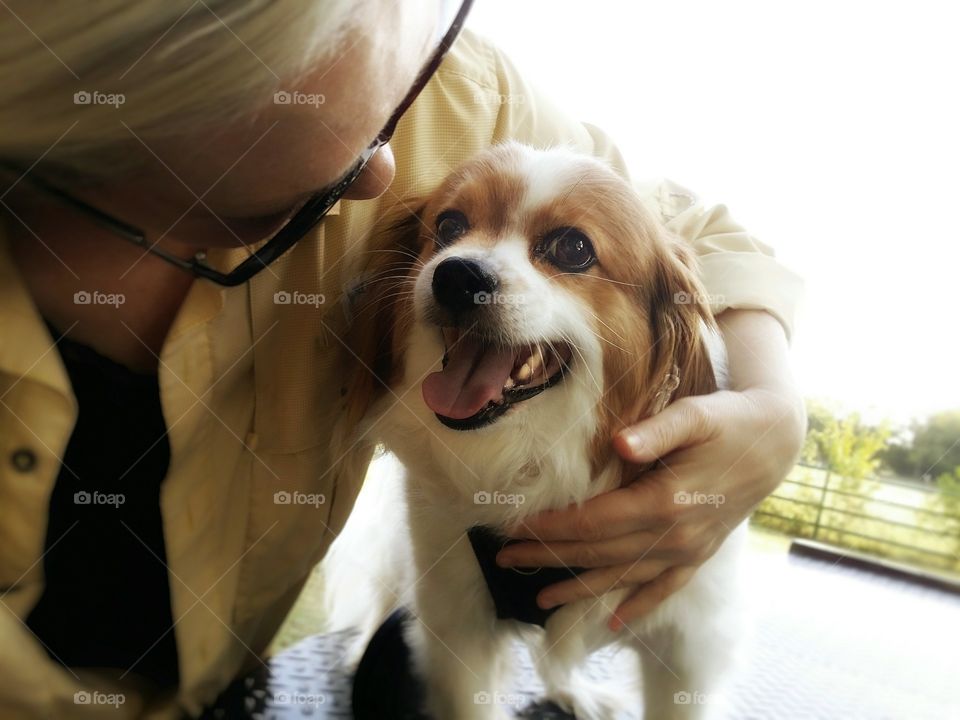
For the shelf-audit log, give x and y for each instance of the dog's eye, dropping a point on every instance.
(451, 224)
(568, 249)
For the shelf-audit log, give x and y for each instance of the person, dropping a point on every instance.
(187, 188)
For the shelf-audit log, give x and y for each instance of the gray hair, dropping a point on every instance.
(80, 81)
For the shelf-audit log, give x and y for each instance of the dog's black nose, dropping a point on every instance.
(460, 284)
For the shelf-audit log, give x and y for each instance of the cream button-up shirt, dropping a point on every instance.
(251, 387)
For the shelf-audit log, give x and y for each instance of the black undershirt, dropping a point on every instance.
(514, 590)
(106, 599)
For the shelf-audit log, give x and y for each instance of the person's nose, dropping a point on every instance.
(375, 178)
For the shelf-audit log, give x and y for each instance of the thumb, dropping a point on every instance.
(682, 424)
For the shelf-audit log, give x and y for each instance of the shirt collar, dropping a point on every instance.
(27, 351)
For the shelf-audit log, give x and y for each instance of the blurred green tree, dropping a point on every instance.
(931, 450)
(846, 446)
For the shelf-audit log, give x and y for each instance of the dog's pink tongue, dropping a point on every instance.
(474, 375)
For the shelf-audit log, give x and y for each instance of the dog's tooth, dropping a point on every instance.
(508, 384)
(535, 361)
(525, 372)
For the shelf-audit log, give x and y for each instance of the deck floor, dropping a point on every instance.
(830, 642)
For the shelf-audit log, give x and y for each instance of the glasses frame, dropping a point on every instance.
(302, 221)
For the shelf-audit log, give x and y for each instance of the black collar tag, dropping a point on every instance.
(514, 590)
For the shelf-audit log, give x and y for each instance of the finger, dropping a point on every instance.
(684, 423)
(623, 549)
(650, 595)
(642, 504)
(593, 584)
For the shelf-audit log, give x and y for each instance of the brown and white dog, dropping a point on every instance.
(528, 310)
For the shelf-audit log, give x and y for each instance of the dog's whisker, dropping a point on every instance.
(619, 336)
(395, 251)
(384, 278)
(602, 338)
(398, 293)
(597, 277)
(583, 361)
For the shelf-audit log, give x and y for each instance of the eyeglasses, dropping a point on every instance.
(303, 220)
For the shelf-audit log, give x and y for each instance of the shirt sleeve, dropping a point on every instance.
(737, 270)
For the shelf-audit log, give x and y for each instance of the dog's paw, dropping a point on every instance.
(587, 700)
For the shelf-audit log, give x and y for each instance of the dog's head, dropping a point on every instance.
(532, 300)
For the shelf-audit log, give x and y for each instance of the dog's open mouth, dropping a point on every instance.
(480, 381)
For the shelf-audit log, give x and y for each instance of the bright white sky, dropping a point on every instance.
(830, 129)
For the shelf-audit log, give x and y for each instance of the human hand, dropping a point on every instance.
(721, 454)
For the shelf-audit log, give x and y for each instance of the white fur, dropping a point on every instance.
(548, 175)
(537, 450)
(367, 570)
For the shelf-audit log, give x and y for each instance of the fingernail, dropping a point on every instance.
(633, 440)
(546, 602)
(505, 560)
(615, 624)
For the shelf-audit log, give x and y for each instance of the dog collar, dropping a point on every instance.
(514, 590)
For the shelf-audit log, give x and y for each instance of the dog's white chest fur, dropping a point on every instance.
(456, 480)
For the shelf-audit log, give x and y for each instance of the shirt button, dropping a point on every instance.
(23, 460)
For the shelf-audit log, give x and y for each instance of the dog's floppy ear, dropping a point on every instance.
(679, 315)
(377, 316)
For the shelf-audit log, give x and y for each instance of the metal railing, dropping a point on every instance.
(911, 525)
